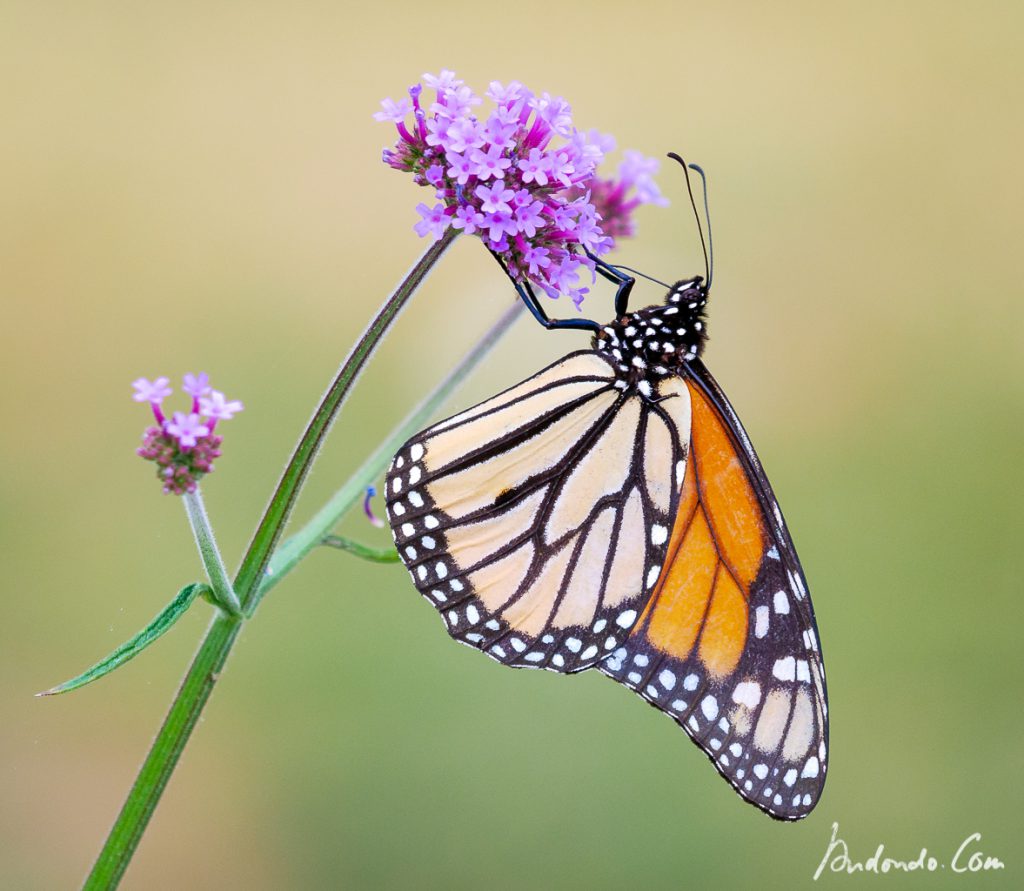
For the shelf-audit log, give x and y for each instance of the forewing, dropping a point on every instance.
(538, 521)
(728, 645)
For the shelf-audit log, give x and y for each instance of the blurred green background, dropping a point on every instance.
(198, 186)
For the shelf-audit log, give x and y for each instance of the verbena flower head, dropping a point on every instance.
(184, 445)
(523, 179)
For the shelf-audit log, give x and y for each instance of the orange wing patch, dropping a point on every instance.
(716, 548)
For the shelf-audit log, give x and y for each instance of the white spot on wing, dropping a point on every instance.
(747, 693)
(785, 669)
(761, 621)
(709, 705)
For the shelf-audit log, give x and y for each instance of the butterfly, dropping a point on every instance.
(610, 513)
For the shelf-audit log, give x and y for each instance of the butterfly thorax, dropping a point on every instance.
(652, 343)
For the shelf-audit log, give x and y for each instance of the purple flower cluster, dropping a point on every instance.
(183, 445)
(522, 180)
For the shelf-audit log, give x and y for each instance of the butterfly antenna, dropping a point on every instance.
(709, 258)
(649, 278)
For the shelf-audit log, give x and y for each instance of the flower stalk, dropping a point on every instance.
(223, 592)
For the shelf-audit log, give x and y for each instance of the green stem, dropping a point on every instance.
(254, 564)
(166, 750)
(223, 593)
(358, 549)
(195, 690)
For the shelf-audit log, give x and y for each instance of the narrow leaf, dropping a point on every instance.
(131, 648)
(374, 555)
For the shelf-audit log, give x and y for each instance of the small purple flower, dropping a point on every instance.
(393, 111)
(494, 198)
(536, 259)
(217, 408)
(460, 167)
(434, 174)
(153, 392)
(437, 131)
(563, 217)
(454, 102)
(535, 167)
(197, 385)
(499, 132)
(489, 163)
(184, 446)
(522, 178)
(562, 167)
(435, 220)
(186, 428)
(446, 80)
(463, 134)
(497, 224)
(529, 218)
(555, 111)
(505, 96)
(468, 219)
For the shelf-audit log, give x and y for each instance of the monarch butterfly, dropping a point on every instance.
(610, 513)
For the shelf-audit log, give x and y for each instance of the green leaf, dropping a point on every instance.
(131, 648)
(374, 555)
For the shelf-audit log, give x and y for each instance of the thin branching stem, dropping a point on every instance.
(216, 572)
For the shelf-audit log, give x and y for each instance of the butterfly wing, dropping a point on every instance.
(538, 521)
(727, 644)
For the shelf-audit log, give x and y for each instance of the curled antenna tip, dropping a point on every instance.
(676, 157)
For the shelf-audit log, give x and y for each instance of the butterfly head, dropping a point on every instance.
(652, 343)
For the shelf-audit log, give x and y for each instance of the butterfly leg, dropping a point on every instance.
(526, 293)
(624, 282)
